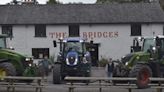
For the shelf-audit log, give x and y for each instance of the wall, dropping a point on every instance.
(114, 39)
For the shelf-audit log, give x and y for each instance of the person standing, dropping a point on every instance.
(110, 67)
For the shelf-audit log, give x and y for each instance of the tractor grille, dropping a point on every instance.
(71, 60)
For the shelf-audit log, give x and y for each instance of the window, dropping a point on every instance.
(148, 43)
(74, 30)
(40, 53)
(40, 30)
(2, 42)
(136, 30)
(7, 29)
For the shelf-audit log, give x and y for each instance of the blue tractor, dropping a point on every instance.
(72, 60)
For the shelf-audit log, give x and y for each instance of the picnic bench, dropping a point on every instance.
(104, 82)
(12, 82)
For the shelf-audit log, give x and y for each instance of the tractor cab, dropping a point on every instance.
(136, 44)
(74, 46)
(159, 48)
(154, 46)
(3, 41)
(151, 45)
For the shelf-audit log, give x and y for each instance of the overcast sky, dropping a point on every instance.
(44, 1)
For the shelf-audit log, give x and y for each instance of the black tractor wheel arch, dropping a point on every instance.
(57, 78)
(9, 68)
(142, 72)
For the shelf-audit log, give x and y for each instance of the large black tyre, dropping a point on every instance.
(143, 73)
(87, 74)
(57, 78)
(120, 72)
(8, 68)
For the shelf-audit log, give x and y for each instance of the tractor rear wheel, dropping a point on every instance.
(143, 73)
(57, 78)
(7, 69)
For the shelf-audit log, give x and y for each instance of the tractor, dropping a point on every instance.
(13, 63)
(72, 60)
(143, 64)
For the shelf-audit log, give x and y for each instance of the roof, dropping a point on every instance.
(81, 13)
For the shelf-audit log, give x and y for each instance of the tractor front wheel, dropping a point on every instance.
(143, 73)
(57, 78)
(7, 69)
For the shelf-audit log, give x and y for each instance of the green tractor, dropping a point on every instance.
(143, 64)
(13, 63)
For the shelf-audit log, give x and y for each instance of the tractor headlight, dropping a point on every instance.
(126, 63)
(27, 59)
(154, 48)
(67, 61)
(138, 57)
(30, 64)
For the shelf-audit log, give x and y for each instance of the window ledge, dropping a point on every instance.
(40, 36)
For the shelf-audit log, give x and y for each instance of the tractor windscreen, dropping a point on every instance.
(73, 46)
(2, 42)
(162, 45)
(148, 43)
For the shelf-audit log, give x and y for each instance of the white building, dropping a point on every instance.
(112, 27)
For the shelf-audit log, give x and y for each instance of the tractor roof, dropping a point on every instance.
(159, 36)
(73, 39)
(3, 36)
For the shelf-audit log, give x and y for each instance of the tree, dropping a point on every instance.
(35, 2)
(15, 2)
(53, 2)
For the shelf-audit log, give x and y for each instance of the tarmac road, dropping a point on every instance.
(100, 72)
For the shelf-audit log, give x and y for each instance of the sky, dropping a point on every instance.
(44, 1)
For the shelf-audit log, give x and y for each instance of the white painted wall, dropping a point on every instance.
(148, 29)
(115, 45)
(24, 38)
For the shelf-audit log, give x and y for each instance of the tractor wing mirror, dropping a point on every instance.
(54, 43)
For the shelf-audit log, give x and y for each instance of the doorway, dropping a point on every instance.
(94, 51)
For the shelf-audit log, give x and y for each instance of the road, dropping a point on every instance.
(99, 72)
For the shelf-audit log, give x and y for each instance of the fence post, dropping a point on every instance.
(100, 89)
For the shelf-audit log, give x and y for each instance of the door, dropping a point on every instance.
(94, 50)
